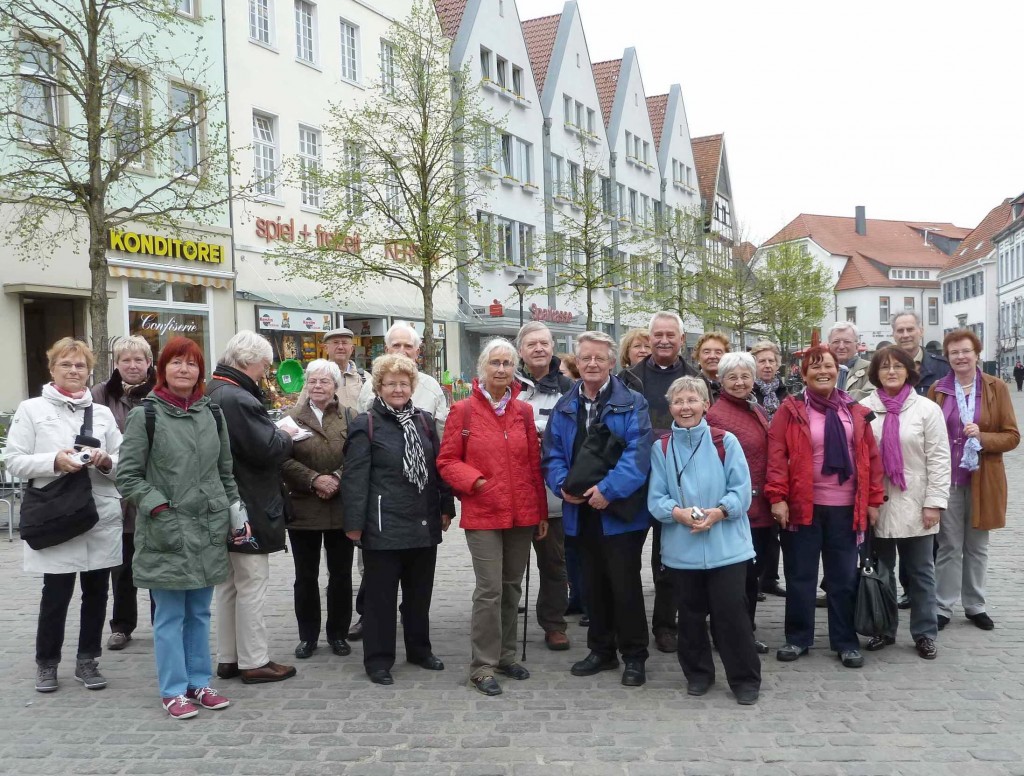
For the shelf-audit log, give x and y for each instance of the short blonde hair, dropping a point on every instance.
(66, 345)
(494, 345)
(133, 343)
(712, 335)
(688, 383)
(762, 345)
(393, 363)
(627, 341)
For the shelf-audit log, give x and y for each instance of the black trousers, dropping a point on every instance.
(720, 593)
(384, 571)
(124, 615)
(53, 614)
(306, 555)
(766, 545)
(553, 592)
(663, 618)
(613, 588)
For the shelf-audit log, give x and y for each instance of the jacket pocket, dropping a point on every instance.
(218, 520)
(163, 532)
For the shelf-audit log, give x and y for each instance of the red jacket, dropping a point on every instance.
(790, 461)
(750, 425)
(505, 451)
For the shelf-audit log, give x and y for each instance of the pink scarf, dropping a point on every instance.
(892, 450)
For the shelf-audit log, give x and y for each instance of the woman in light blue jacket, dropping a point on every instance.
(700, 490)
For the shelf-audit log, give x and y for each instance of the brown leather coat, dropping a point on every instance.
(323, 453)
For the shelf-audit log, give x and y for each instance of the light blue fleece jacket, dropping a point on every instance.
(706, 483)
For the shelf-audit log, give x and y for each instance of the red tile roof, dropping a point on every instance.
(606, 77)
(744, 251)
(707, 158)
(656, 109)
(978, 243)
(449, 13)
(540, 37)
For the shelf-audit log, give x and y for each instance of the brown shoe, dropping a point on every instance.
(557, 641)
(666, 642)
(271, 672)
(227, 670)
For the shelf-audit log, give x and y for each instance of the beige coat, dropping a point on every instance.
(925, 462)
(857, 384)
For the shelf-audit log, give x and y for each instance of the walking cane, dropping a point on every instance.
(526, 609)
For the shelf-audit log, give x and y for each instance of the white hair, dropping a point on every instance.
(245, 349)
(319, 366)
(669, 315)
(901, 313)
(599, 337)
(133, 343)
(736, 360)
(498, 344)
(402, 326)
(529, 328)
(844, 326)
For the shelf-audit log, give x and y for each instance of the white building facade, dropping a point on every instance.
(1009, 248)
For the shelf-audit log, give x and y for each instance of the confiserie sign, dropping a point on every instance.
(155, 245)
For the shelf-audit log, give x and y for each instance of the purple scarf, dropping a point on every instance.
(892, 450)
(837, 449)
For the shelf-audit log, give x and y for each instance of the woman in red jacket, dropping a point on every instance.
(824, 483)
(491, 458)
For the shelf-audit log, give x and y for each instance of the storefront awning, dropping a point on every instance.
(169, 275)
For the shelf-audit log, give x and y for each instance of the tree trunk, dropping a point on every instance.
(98, 303)
(590, 308)
(428, 324)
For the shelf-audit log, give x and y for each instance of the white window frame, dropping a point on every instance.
(525, 235)
(193, 125)
(310, 160)
(557, 176)
(130, 104)
(349, 51)
(387, 67)
(485, 63)
(506, 155)
(524, 161)
(567, 103)
(353, 153)
(501, 71)
(261, 22)
(187, 8)
(517, 81)
(266, 149)
(307, 50)
(32, 72)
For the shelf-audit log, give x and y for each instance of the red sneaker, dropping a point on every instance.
(180, 707)
(208, 698)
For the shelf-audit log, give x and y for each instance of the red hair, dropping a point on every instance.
(180, 347)
(815, 355)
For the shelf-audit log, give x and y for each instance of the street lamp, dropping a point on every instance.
(521, 284)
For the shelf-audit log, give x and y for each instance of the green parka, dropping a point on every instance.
(188, 468)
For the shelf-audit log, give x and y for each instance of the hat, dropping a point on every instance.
(290, 376)
(342, 332)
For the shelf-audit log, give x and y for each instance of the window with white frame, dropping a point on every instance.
(501, 69)
(606, 195)
(524, 161)
(591, 119)
(621, 191)
(186, 8)
(126, 114)
(265, 153)
(557, 176)
(486, 151)
(37, 100)
(504, 239)
(578, 114)
(393, 194)
(485, 236)
(883, 310)
(261, 23)
(517, 80)
(637, 148)
(933, 311)
(629, 144)
(353, 167)
(485, 63)
(567, 103)
(527, 258)
(647, 151)
(185, 137)
(645, 210)
(506, 157)
(310, 162)
(575, 191)
(349, 51)
(633, 206)
(387, 67)
(159, 310)
(305, 31)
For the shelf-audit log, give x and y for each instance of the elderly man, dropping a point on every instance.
(709, 351)
(339, 344)
(132, 380)
(611, 545)
(843, 341)
(908, 332)
(258, 449)
(543, 385)
(652, 378)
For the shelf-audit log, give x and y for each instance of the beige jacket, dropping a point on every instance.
(926, 467)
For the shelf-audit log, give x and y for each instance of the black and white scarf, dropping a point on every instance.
(769, 395)
(414, 463)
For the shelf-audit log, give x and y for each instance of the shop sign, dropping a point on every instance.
(273, 230)
(294, 320)
(554, 316)
(496, 310)
(163, 325)
(169, 247)
(438, 329)
(366, 327)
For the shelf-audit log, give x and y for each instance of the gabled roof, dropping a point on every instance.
(707, 159)
(606, 78)
(449, 13)
(744, 251)
(657, 106)
(540, 37)
(978, 244)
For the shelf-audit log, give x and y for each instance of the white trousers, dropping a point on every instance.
(961, 562)
(241, 630)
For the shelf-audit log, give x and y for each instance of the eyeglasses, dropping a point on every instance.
(893, 367)
(320, 381)
(956, 353)
(67, 366)
(497, 364)
(592, 359)
(394, 386)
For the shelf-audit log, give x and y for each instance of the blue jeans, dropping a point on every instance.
(181, 639)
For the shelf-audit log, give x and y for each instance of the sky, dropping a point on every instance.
(907, 107)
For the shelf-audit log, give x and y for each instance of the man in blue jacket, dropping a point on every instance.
(610, 546)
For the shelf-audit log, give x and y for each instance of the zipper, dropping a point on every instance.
(380, 519)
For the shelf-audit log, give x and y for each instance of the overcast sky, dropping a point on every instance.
(905, 106)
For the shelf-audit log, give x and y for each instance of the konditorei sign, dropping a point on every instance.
(170, 247)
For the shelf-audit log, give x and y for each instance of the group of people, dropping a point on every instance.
(195, 486)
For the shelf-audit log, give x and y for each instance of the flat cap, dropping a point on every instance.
(342, 332)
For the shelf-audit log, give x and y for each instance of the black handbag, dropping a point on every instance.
(597, 456)
(876, 612)
(64, 508)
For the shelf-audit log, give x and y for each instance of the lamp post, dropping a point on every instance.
(521, 284)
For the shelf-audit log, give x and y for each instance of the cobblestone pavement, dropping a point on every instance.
(962, 714)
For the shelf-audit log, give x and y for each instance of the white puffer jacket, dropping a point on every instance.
(926, 467)
(42, 427)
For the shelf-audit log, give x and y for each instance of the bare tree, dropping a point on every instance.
(108, 116)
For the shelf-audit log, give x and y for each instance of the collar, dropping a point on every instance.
(601, 393)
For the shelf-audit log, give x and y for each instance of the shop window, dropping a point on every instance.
(159, 310)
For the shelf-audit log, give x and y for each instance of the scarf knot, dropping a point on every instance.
(892, 450)
(837, 449)
(414, 463)
(967, 406)
(769, 395)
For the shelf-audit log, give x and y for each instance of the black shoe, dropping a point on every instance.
(356, 631)
(227, 670)
(851, 658)
(430, 662)
(698, 688)
(746, 697)
(904, 602)
(761, 598)
(926, 648)
(774, 589)
(594, 664)
(340, 647)
(942, 621)
(585, 621)
(305, 649)
(666, 642)
(513, 671)
(381, 676)
(634, 675)
(787, 653)
(982, 620)
(876, 643)
(761, 647)
(488, 685)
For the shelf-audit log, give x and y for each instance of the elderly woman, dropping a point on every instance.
(981, 426)
(700, 491)
(176, 470)
(397, 506)
(769, 387)
(737, 411)
(634, 347)
(911, 434)
(313, 477)
(41, 447)
(491, 458)
(824, 483)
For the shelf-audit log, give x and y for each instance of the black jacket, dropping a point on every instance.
(258, 449)
(378, 499)
(636, 376)
(933, 369)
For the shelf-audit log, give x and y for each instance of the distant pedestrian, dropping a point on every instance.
(1018, 375)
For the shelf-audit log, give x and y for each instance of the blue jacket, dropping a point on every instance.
(933, 368)
(706, 483)
(625, 413)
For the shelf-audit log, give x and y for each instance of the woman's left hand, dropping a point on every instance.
(542, 529)
(930, 516)
(873, 515)
(101, 460)
(711, 516)
(972, 430)
(596, 498)
(446, 521)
